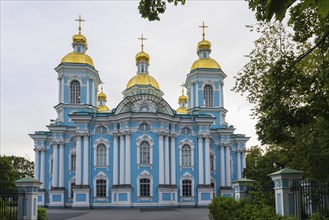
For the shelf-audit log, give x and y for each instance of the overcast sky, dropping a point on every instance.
(36, 35)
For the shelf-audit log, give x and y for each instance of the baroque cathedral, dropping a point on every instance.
(142, 153)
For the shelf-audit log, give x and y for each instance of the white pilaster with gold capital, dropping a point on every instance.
(85, 159)
(128, 159)
(161, 162)
(78, 162)
(61, 165)
(55, 166)
(167, 165)
(115, 159)
(207, 161)
(173, 161)
(122, 160)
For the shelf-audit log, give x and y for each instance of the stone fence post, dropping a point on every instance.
(284, 197)
(28, 200)
(241, 186)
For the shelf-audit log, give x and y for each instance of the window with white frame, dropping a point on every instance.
(144, 186)
(101, 188)
(144, 153)
(73, 161)
(75, 91)
(187, 188)
(101, 155)
(186, 131)
(144, 126)
(101, 130)
(144, 145)
(208, 95)
(186, 185)
(186, 155)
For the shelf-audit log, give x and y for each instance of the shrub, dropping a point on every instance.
(42, 213)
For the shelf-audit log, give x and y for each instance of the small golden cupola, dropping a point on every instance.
(203, 51)
(80, 47)
(142, 77)
(102, 99)
(182, 101)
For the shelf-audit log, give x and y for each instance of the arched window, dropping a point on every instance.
(144, 186)
(186, 131)
(75, 92)
(101, 155)
(101, 130)
(101, 188)
(186, 155)
(73, 161)
(187, 188)
(208, 96)
(144, 127)
(144, 153)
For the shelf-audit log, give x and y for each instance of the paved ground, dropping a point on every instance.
(129, 214)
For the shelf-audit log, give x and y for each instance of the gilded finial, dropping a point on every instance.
(182, 85)
(203, 27)
(102, 83)
(142, 38)
(79, 20)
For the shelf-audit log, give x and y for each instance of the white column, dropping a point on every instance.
(197, 93)
(59, 89)
(161, 165)
(85, 159)
(228, 166)
(93, 92)
(122, 160)
(221, 95)
(200, 160)
(55, 165)
(243, 159)
(207, 162)
(36, 163)
(87, 89)
(238, 164)
(222, 166)
(167, 165)
(128, 159)
(42, 168)
(78, 162)
(115, 159)
(173, 161)
(192, 96)
(62, 89)
(61, 165)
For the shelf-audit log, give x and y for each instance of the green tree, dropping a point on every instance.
(287, 80)
(151, 9)
(13, 168)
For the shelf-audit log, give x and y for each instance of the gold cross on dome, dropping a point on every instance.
(182, 88)
(142, 38)
(203, 27)
(79, 20)
(102, 83)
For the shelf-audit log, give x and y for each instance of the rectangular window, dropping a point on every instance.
(144, 187)
(73, 161)
(187, 188)
(212, 165)
(100, 188)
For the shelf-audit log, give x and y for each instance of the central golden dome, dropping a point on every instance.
(74, 57)
(206, 63)
(143, 79)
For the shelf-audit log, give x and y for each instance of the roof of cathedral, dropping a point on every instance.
(206, 63)
(143, 79)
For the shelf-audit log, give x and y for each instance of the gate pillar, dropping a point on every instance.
(284, 197)
(28, 201)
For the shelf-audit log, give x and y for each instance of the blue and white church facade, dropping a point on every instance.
(142, 153)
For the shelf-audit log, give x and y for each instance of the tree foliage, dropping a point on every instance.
(287, 80)
(13, 168)
(151, 9)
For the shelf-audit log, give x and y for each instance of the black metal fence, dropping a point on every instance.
(310, 198)
(8, 205)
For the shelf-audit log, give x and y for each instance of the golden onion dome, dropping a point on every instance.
(102, 96)
(182, 111)
(204, 44)
(103, 108)
(182, 98)
(206, 63)
(79, 38)
(143, 79)
(142, 56)
(74, 57)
